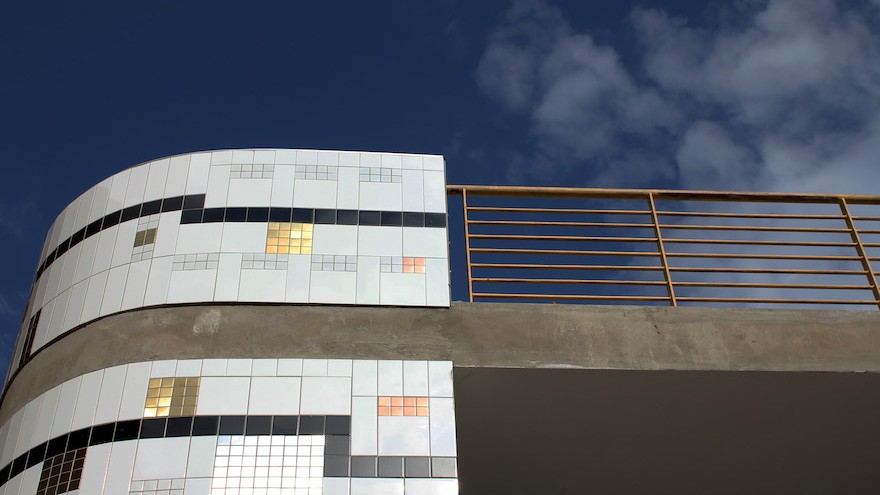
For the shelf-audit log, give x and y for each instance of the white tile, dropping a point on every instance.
(425, 242)
(188, 367)
(191, 286)
(364, 433)
(166, 234)
(402, 289)
(333, 287)
(339, 367)
(163, 369)
(386, 196)
(13, 486)
(104, 249)
(197, 179)
(156, 180)
(178, 169)
(415, 378)
(433, 162)
(380, 241)
(298, 278)
(214, 367)
(412, 162)
(328, 158)
(307, 157)
(243, 156)
(437, 282)
(95, 469)
(314, 193)
(56, 324)
(199, 238)
(86, 258)
(419, 486)
(285, 157)
(365, 375)
(119, 469)
(125, 233)
(314, 367)
(201, 457)
(404, 435)
(272, 395)
(136, 285)
(239, 367)
(43, 428)
(349, 159)
(223, 395)
(442, 426)
(71, 258)
(161, 458)
(87, 400)
(368, 280)
(371, 159)
(28, 425)
(336, 486)
(75, 305)
(30, 479)
(110, 397)
(8, 453)
(134, 393)
(249, 192)
(158, 281)
(282, 186)
(137, 182)
(326, 395)
(376, 486)
(69, 220)
(223, 157)
(99, 203)
(435, 192)
(413, 191)
(65, 408)
(348, 188)
(244, 238)
(440, 378)
(85, 207)
(264, 156)
(390, 378)
(290, 367)
(391, 161)
(265, 367)
(262, 285)
(335, 239)
(228, 276)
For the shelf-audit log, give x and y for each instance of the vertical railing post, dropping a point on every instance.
(467, 244)
(860, 248)
(669, 286)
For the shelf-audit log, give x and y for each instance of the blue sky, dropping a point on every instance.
(750, 95)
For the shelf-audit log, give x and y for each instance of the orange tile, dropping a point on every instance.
(422, 401)
(397, 401)
(384, 401)
(409, 411)
(421, 411)
(397, 411)
(420, 269)
(420, 261)
(409, 401)
(384, 411)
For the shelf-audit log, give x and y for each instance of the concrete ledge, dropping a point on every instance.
(471, 335)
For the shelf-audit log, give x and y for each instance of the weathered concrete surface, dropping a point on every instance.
(471, 335)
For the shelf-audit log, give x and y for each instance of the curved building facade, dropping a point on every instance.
(230, 232)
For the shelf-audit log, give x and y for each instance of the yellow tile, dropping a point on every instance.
(168, 382)
(193, 380)
(164, 401)
(306, 250)
(273, 225)
(165, 391)
(162, 412)
(271, 249)
(155, 382)
(176, 401)
(283, 249)
(152, 402)
(190, 401)
(149, 412)
(189, 411)
(152, 392)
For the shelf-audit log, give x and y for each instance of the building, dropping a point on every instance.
(279, 322)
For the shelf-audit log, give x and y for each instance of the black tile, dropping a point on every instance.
(346, 217)
(236, 214)
(172, 204)
(78, 236)
(259, 425)
(363, 466)
(153, 428)
(280, 214)
(390, 467)
(338, 425)
(205, 425)
(151, 207)
(303, 215)
(56, 446)
(336, 466)
(325, 216)
(435, 219)
(417, 467)
(413, 219)
(193, 201)
(179, 427)
(285, 425)
(37, 455)
(213, 215)
(78, 439)
(190, 216)
(111, 219)
(232, 425)
(18, 465)
(391, 218)
(127, 430)
(311, 425)
(443, 467)
(4, 473)
(258, 214)
(337, 444)
(131, 213)
(102, 434)
(63, 247)
(93, 228)
(369, 217)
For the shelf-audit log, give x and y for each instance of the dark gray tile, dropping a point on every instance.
(363, 467)
(337, 444)
(417, 467)
(443, 467)
(391, 467)
(336, 466)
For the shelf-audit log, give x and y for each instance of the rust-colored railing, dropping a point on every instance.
(669, 247)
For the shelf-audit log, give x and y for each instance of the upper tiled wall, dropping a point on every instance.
(297, 226)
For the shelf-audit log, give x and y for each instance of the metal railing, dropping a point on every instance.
(668, 247)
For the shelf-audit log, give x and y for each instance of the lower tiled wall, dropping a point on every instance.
(259, 426)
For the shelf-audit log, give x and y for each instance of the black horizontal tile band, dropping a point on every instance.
(190, 201)
(326, 216)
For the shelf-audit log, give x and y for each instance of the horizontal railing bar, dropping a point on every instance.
(511, 237)
(764, 256)
(679, 240)
(569, 297)
(564, 281)
(759, 285)
(538, 266)
(562, 252)
(866, 219)
(778, 301)
(561, 224)
(753, 228)
(869, 231)
(563, 211)
(790, 216)
(790, 271)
